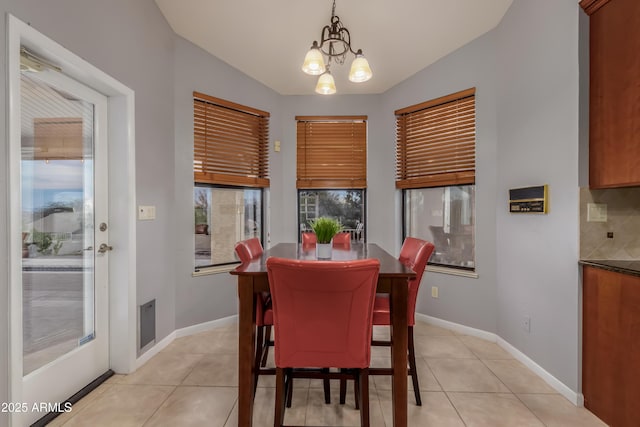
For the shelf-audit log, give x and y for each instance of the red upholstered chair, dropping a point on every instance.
(342, 240)
(309, 239)
(247, 250)
(414, 254)
(322, 316)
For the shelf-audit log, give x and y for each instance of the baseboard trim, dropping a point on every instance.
(573, 397)
(206, 326)
(182, 332)
(144, 358)
(462, 329)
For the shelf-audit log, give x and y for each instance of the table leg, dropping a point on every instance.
(399, 349)
(246, 349)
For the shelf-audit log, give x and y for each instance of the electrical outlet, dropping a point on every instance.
(526, 324)
(434, 292)
(596, 212)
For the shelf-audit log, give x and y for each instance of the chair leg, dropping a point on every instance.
(256, 363)
(327, 387)
(289, 391)
(356, 391)
(412, 368)
(265, 349)
(278, 419)
(363, 383)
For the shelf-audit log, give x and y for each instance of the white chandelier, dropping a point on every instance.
(335, 43)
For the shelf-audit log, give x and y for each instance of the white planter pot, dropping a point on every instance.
(323, 250)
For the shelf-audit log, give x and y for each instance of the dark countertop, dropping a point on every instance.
(626, 267)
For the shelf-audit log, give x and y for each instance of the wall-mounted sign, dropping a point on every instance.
(529, 199)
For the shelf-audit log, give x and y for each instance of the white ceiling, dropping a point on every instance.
(267, 40)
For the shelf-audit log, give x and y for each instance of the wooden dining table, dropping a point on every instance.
(392, 280)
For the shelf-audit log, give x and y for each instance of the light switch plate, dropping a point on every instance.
(146, 212)
(596, 212)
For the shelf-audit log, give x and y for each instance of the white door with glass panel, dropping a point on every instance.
(65, 241)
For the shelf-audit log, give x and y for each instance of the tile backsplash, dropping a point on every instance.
(623, 220)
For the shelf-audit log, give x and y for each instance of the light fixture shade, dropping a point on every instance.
(360, 70)
(326, 85)
(313, 62)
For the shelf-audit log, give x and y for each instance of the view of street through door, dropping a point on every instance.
(64, 221)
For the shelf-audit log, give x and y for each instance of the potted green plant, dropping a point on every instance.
(324, 228)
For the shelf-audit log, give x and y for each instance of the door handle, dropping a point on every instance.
(104, 248)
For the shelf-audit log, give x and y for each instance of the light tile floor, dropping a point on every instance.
(464, 381)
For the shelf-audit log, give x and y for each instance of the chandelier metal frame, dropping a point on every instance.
(335, 44)
(335, 34)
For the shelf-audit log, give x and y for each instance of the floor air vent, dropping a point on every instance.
(147, 323)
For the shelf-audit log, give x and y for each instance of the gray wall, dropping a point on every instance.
(467, 301)
(205, 298)
(537, 115)
(378, 177)
(131, 41)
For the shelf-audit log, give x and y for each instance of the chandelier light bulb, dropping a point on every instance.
(313, 61)
(326, 85)
(360, 70)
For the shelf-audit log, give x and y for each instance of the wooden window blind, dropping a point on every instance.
(332, 152)
(57, 138)
(230, 143)
(436, 142)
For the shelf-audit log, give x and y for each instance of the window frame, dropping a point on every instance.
(231, 129)
(463, 176)
(224, 265)
(440, 266)
(311, 182)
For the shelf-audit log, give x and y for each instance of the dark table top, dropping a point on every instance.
(619, 266)
(389, 265)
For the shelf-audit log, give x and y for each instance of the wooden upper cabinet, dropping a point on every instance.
(614, 106)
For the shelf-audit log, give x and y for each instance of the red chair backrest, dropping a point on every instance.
(342, 240)
(414, 254)
(246, 250)
(309, 239)
(322, 311)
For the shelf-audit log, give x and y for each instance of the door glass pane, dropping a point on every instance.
(57, 222)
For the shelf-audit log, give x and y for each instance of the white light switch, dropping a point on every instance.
(596, 212)
(146, 212)
(276, 146)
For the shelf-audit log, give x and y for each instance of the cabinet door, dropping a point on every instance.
(611, 346)
(614, 108)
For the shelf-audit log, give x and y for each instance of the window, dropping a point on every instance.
(223, 216)
(347, 206)
(231, 170)
(444, 216)
(436, 171)
(332, 170)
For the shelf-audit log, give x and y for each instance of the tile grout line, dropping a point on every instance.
(513, 393)
(159, 406)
